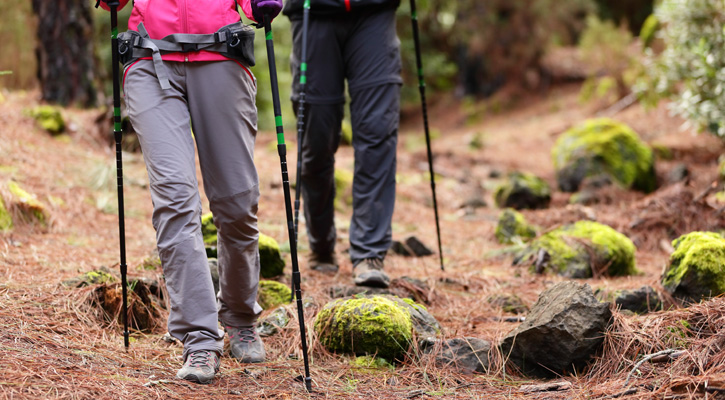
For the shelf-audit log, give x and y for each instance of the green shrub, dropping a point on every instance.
(692, 66)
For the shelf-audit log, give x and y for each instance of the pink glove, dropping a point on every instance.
(260, 8)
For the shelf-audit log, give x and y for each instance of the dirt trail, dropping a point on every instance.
(53, 348)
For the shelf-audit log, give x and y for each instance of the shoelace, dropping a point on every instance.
(374, 263)
(246, 334)
(200, 358)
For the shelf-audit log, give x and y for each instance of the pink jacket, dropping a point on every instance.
(166, 17)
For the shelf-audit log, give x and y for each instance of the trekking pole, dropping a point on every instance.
(301, 120)
(421, 86)
(282, 150)
(113, 5)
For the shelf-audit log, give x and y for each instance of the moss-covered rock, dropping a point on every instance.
(509, 303)
(343, 189)
(371, 362)
(578, 250)
(208, 229)
(31, 210)
(49, 118)
(6, 219)
(272, 294)
(346, 133)
(270, 256)
(374, 325)
(512, 227)
(697, 267)
(522, 191)
(603, 145)
(95, 277)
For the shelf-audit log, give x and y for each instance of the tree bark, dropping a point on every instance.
(65, 51)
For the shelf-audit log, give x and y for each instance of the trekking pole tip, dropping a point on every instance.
(308, 384)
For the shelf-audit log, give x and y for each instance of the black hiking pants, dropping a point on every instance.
(364, 49)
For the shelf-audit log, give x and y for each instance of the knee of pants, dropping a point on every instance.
(177, 211)
(236, 216)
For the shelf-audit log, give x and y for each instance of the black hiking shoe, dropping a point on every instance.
(200, 366)
(326, 264)
(369, 272)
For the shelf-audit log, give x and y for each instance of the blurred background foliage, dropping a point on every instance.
(474, 48)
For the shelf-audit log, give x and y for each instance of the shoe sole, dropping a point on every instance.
(373, 280)
(196, 379)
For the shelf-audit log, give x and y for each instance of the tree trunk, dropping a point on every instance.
(65, 51)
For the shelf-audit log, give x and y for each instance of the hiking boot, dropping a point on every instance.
(200, 366)
(327, 264)
(245, 344)
(369, 272)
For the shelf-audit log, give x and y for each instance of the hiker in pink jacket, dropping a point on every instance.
(174, 83)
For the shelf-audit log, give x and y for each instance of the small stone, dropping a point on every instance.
(509, 303)
(417, 247)
(523, 191)
(214, 270)
(273, 322)
(168, 338)
(466, 355)
(512, 227)
(679, 173)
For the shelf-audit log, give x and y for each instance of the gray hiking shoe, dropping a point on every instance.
(200, 366)
(369, 272)
(327, 264)
(245, 344)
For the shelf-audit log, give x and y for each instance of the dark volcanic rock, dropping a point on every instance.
(563, 330)
(466, 355)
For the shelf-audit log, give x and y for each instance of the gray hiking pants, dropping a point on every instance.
(364, 49)
(216, 100)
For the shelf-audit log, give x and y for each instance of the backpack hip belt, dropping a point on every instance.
(235, 41)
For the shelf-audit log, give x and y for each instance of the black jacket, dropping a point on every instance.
(293, 8)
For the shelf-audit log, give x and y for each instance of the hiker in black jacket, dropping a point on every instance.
(353, 40)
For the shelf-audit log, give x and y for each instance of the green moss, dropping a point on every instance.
(697, 266)
(6, 220)
(98, 277)
(373, 325)
(574, 248)
(512, 227)
(346, 133)
(49, 118)
(272, 294)
(522, 190)
(371, 362)
(649, 28)
(270, 257)
(603, 145)
(31, 209)
(208, 229)
(343, 188)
